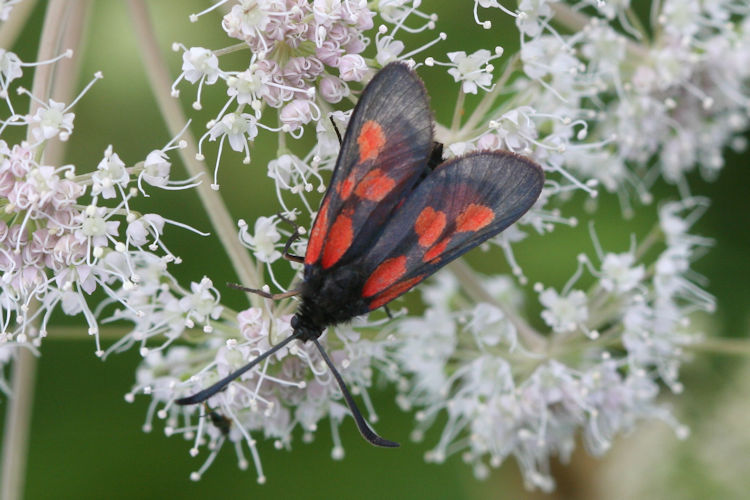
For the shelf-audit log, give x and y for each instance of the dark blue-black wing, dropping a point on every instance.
(385, 150)
(461, 204)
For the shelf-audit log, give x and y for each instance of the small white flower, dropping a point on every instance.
(326, 11)
(352, 67)
(604, 47)
(564, 314)
(469, 70)
(10, 67)
(51, 121)
(489, 325)
(202, 303)
(156, 168)
(248, 18)
(95, 227)
(199, 63)
(249, 85)
(110, 172)
(545, 56)
(388, 49)
(681, 18)
(619, 274)
(535, 13)
(264, 239)
(297, 113)
(461, 148)
(333, 89)
(139, 229)
(239, 128)
(517, 129)
(42, 184)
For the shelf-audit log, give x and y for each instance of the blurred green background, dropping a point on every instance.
(86, 442)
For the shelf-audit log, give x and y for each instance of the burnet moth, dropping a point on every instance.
(394, 213)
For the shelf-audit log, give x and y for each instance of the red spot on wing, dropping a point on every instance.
(344, 188)
(436, 250)
(315, 243)
(371, 140)
(474, 218)
(338, 240)
(384, 276)
(375, 185)
(394, 291)
(429, 226)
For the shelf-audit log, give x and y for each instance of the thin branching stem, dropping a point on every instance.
(718, 345)
(530, 338)
(221, 220)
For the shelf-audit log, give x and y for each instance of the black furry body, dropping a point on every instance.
(329, 298)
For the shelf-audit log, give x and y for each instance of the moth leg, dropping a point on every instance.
(288, 256)
(388, 312)
(362, 425)
(336, 129)
(294, 237)
(263, 293)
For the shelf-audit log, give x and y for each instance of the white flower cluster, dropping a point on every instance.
(293, 389)
(596, 373)
(593, 97)
(304, 55)
(64, 234)
(658, 101)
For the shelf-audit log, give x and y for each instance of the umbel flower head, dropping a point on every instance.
(596, 105)
(64, 234)
(591, 96)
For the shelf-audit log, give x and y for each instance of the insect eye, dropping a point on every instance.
(294, 321)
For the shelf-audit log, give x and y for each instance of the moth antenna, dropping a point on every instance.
(289, 221)
(388, 311)
(336, 129)
(203, 395)
(362, 424)
(294, 237)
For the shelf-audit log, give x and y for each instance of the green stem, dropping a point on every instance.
(458, 111)
(635, 21)
(170, 108)
(112, 333)
(10, 29)
(574, 21)
(719, 345)
(230, 49)
(599, 296)
(654, 236)
(17, 426)
(488, 99)
(531, 339)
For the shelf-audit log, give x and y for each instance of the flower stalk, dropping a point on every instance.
(215, 207)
